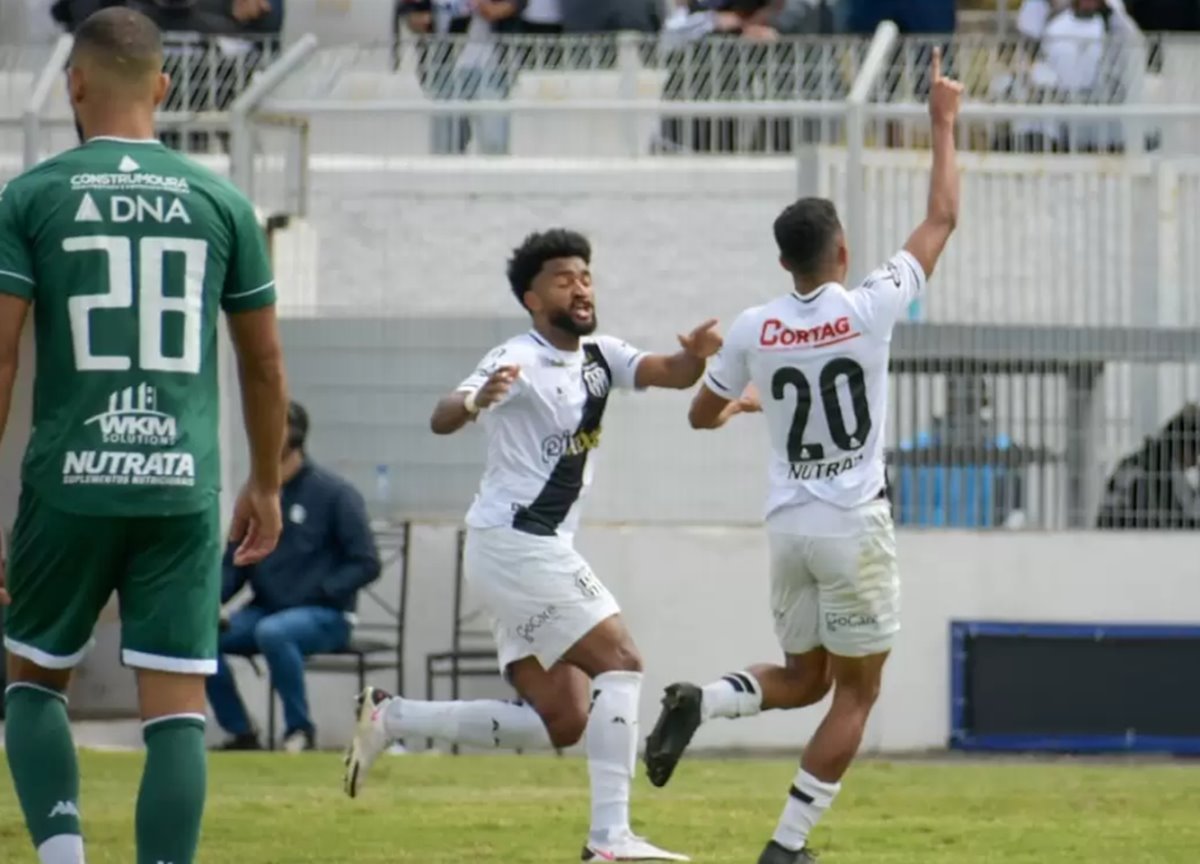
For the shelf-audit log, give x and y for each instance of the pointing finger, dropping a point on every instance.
(707, 325)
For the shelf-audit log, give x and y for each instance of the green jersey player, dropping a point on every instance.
(127, 252)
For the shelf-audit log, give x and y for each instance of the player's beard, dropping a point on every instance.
(563, 321)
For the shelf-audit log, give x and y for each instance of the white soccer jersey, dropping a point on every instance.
(539, 436)
(820, 364)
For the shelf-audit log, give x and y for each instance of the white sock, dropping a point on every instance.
(736, 695)
(62, 849)
(612, 740)
(477, 723)
(808, 799)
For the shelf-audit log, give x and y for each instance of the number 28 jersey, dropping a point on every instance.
(128, 251)
(820, 365)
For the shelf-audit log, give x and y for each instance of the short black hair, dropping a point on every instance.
(123, 40)
(528, 259)
(806, 232)
(297, 426)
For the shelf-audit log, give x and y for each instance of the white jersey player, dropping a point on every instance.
(815, 362)
(540, 398)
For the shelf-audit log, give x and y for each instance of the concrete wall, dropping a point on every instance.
(696, 602)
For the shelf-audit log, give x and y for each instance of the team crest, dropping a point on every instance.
(595, 378)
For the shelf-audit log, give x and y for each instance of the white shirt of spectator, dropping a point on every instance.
(543, 12)
(820, 364)
(552, 414)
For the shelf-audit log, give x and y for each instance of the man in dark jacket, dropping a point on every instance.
(1150, 489)
(303, 593)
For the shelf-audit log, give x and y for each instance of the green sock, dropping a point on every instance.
(41, 757)
(171, 801)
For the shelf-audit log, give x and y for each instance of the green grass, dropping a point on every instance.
(271, 808)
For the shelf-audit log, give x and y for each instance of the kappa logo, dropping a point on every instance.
(64, 808)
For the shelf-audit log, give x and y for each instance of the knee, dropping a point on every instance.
(859, 696)
(565, 723)
(808, 685)
(625, 658)
(269, 635)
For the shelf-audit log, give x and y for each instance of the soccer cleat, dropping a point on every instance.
(627, 846)
(678, 722)
(370, 738)
(776, 854)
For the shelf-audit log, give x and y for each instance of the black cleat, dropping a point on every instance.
(678, 722)
(776, 854)
(245, 741)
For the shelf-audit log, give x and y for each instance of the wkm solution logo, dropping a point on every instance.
(132, 418)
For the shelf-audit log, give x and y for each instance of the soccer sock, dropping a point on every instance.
(171, 801)
(41, 758)
(477, 723)
(612, 736)
(808, 799)
(736, 695)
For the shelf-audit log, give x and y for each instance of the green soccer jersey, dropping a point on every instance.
(128, 251)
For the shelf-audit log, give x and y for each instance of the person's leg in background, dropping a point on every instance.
(495, 81)
(221, 688)
(170, 598)
(285, 639)
(57, 592)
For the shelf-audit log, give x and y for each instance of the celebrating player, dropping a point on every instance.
(560, 637)
(126, 251)
(818, 360)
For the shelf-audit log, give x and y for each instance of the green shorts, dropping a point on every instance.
(64, 567)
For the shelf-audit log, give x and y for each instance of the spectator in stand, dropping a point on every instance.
(1151, 489)
(1081, 50)
(543, 18)
(806, 17)
(207, 73)
(462, 60)
(911, 16)
(612, 16)
(716, 48)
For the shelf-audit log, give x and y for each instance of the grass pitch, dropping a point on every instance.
(277, 809)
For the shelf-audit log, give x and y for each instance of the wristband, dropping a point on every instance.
(469, 403)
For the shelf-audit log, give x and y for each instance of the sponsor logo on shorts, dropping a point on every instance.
(587, 583)
(835, 621)
(535, 623)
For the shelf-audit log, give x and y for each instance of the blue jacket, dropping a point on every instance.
(325, 555)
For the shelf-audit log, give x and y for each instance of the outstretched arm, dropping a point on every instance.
(680, 370)
(930, 238)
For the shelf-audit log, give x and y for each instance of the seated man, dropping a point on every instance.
(303, 593)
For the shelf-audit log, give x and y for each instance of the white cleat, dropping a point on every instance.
(627, 846)
(370, 739)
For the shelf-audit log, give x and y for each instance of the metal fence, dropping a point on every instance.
(1059, 331)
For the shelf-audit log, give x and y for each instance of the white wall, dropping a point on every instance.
(696, 602)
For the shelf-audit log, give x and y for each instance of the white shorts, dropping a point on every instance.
(540, 593)
(842, 593)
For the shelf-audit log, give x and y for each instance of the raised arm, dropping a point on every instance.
(941, 216)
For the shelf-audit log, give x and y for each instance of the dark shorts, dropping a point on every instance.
(166, 571)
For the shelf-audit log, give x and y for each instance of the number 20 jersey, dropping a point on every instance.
(820, 364)
(128, 251)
